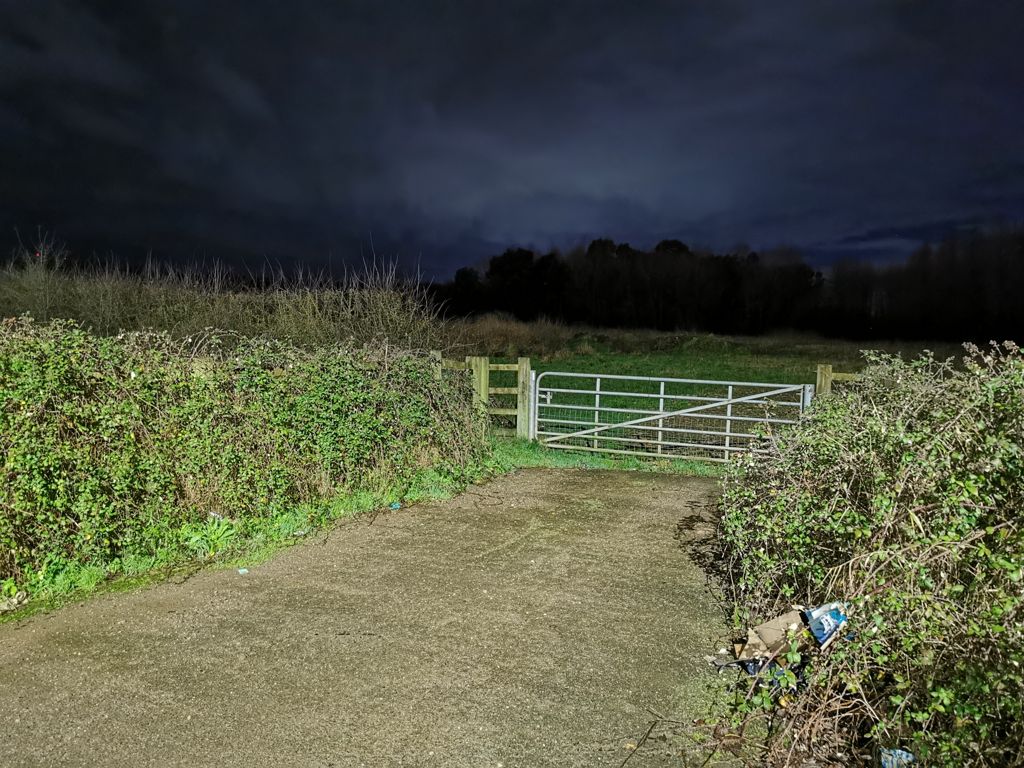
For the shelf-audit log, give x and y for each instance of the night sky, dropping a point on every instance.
(443, 132)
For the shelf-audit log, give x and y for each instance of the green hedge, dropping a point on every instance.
(902, 496)
(143, 446)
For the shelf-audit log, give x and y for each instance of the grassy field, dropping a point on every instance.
(784, 358)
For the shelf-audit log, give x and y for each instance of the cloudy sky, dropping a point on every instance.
(443, 131)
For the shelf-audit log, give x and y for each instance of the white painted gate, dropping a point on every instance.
(649, 416)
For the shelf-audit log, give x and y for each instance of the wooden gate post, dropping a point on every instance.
(824, 384)
(523, 404)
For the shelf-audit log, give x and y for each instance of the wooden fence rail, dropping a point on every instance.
(826, 376)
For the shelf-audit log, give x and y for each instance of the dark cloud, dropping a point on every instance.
(449, 129)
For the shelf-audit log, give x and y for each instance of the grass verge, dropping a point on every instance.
(258, 543)
(251, 545)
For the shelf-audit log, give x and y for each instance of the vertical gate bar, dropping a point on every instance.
(728, 424)
(661, 407)
(597, 408)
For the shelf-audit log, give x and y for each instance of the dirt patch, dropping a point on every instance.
(529, 622)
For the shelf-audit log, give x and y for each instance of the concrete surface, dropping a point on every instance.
(529, 622)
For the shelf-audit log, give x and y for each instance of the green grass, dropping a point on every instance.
(517, 454)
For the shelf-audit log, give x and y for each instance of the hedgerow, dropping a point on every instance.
(901, 497)
(143, 446)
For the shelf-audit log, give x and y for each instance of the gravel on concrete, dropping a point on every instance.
(532, 621)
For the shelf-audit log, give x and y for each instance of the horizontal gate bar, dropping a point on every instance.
(650, 395)
(647, 454)
(609, 377)
(681, 430)
(654, 395)
(612, 409)
(666, 443)
(664, 414)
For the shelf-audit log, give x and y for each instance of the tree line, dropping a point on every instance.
(968, 286)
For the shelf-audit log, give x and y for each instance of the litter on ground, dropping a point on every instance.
(766, 645)
(896, 758)
(14, 601)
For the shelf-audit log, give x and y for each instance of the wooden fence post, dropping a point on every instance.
(435, 355)
(523, 399)
(824, 383)
(481, 378)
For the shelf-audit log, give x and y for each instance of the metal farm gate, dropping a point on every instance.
(649, 416)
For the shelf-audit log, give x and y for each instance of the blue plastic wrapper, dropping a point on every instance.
(825, 621)
(896, 758)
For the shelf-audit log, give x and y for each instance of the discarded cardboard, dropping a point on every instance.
(769, 641)
(770, 638)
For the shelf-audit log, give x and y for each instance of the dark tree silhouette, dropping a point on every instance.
(966, 287)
